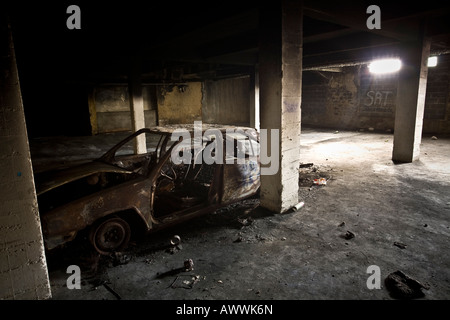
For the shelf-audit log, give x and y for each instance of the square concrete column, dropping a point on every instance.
(280, 77)
(23, 267)
(137, 105)
(412, 83)
(254, 100)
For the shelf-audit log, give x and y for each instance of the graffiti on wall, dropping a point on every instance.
(377, 96)
(378, 101)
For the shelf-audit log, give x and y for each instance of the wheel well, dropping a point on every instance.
(136, 222)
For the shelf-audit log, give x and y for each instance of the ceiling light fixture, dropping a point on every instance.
(432, 61)
(385, 66)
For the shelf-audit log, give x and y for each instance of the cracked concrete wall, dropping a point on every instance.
(23, 267)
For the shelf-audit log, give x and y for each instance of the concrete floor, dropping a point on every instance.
(399, 215)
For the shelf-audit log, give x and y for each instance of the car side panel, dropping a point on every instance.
(61, 224)
(240, 181)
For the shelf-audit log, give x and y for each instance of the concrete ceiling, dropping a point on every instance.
(186, 41)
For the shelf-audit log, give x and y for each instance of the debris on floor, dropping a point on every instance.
(244, 222)
(112, 291)
(298, 206)
(400, 245)
(119, 258)
(311, 175)
(349, 235)
(306, 165)
(187, 284)
(175, 240)
(434, 138)
(320, 181)
(175, 245)
(402, 286)
(189, 265)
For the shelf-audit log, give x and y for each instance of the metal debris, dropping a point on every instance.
(298, 206)
(112, 291)
(175, 240)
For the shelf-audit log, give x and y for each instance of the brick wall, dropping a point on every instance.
(355, 99)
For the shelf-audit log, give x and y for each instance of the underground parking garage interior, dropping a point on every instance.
(338, 187)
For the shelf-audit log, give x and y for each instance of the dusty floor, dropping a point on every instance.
(399, 216)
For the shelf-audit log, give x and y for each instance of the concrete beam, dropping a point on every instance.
(137, 105)
(410, 106)
(280, 76)
(23, 266)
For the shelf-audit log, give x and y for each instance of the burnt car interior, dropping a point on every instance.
(123, 166)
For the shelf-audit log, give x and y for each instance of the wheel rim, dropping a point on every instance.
(111, 235)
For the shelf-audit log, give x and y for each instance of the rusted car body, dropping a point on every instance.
(117, 195)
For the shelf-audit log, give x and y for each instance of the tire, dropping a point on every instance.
(110, 235)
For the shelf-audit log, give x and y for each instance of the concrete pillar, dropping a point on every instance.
(410, 106)
(254, 100)
(23, 267)
(137, 105)
(280, 76)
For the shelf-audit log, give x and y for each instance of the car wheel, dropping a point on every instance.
(110, 235)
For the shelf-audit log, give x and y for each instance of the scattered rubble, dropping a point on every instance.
(402, 286)
(400, 245)
(349, 235)
(245, 221)
(189, 265)
(119, 258)
(311, 175)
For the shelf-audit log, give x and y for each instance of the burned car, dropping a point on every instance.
(118, 194)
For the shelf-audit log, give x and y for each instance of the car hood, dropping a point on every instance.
(46, 181)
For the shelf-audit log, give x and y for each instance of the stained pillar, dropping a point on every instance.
(410, 106)
(23, 267)
(280, 76)
(254, 100)
(137, 104)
